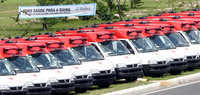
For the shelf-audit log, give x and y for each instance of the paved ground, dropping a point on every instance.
(188, 89)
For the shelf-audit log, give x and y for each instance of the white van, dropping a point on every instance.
(127, 66)
(102, 71)
(26, 69)
(10, 82)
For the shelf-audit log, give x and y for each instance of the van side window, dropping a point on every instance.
(128, 46)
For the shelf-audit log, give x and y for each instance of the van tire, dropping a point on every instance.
(82, 90)
(157, 75)
(175, 72)
(105, 85)
(131, 79)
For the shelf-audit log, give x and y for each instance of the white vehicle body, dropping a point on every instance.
(167, 48)
(102, 71)
(183, 46)
(127, 64)
(153, 62)
(11, 82)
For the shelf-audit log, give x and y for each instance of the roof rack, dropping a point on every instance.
(72, 41)
(134, 31)
(191, 14)
(55, 48)
(183, 25)
(5, 50)
(156, 29)
(111, 35)
(42, 47)
(168, 31)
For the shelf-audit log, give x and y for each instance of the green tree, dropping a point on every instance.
(2, 1)
(49, 21)
(135, 3)
(121, 7)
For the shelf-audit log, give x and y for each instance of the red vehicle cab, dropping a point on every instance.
(105, 43)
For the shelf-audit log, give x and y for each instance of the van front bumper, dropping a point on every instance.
(13, 92)
(178, 65)
(83, 83)
(193, 63)
(104, 78)
(151, 69)
(43, 90)
(124, 72)
(62, 87)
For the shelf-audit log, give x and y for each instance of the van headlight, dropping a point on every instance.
(169, 59)
(152, 62)
(120, 65)
(197, 55)
(94, 71)
(184, 58)
(72, 78)
(28, 84)
(4, 87)
(113, 70)
(51, 80)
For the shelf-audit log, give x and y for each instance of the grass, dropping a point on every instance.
(118, 85)
(169, 76)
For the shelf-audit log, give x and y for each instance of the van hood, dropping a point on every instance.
(174, 53)
(99, 64)
(145, 57)
(76, 70)
(123, 59)
(13, 80)
(188, 51)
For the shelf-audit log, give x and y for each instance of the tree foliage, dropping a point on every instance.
(2, 1)
(49, 22)
(135, 3)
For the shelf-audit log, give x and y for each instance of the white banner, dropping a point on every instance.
(26, 12)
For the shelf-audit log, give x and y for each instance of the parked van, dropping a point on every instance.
(127, 66)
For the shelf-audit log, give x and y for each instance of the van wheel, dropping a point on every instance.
(157, 75)
(175, 72)
(67, 93)
(103, 85)
(131, 79)
(83, 90)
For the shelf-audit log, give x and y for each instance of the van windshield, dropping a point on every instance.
(143, 45)
(194, 36)
(87, 53)
(48, 61)
(23, 64)
(5, 68)
(113, 48)
(162, 42)
(66, 56)
(177, 39)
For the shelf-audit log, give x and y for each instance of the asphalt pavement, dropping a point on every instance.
(187, 89)
(179, 86)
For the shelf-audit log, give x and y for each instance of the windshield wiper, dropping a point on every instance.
(5, 74)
